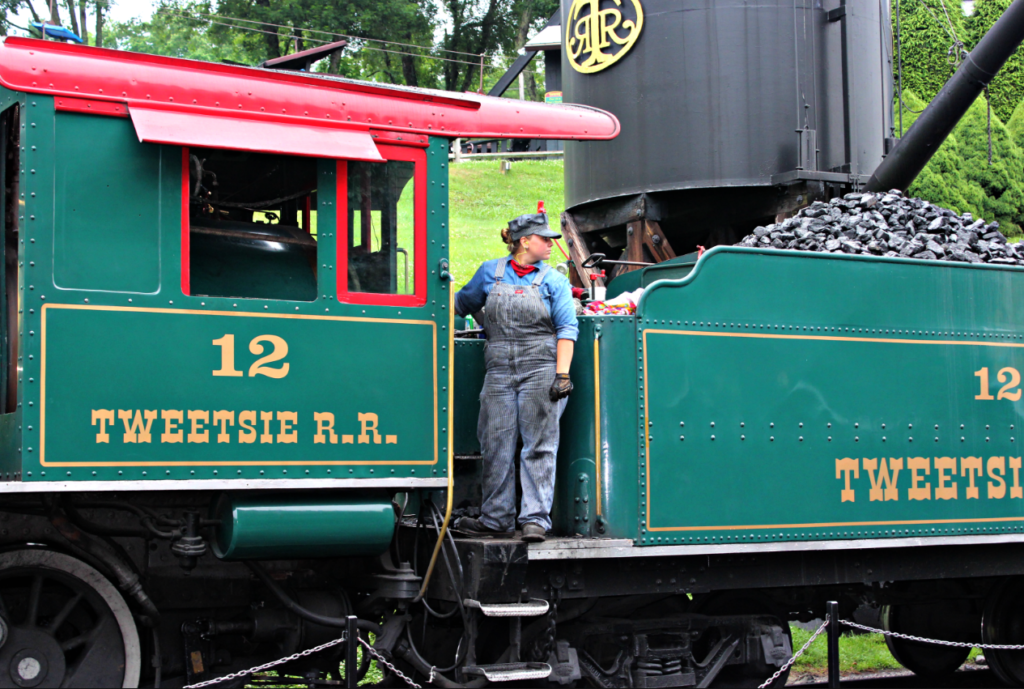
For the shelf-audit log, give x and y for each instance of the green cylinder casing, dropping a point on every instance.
(254, 527)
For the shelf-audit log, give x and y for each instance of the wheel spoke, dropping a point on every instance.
(63, 614)
(74, 642)
(34, 596)
(103, 653)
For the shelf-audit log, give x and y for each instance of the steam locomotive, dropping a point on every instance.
(238, 416)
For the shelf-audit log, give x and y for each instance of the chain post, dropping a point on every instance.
(832, 608)
(351, 660)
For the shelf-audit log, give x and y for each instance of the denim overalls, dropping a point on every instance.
(520, 358)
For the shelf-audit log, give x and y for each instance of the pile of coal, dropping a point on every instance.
(889, 224)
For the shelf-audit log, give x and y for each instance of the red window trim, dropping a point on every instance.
(419, 297)
(186, 252)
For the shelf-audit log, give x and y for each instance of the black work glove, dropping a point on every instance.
(561, 387)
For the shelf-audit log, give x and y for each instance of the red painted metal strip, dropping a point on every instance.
(191, 129)
(186, 245)
(341, 228)
(419, 296)
(93, 107)
(382, 136)
(140, 80)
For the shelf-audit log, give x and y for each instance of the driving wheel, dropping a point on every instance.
(63, 624)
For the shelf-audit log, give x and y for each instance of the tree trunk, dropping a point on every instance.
(82, 24)
(452, 69)
(55, 12)
(99, 22)
(334, 63)
(525, 18)
(73, 16)
(409, 65)
(523, 32)
(35, 15)
(486, 26)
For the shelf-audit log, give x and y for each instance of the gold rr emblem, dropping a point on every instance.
(591, 31)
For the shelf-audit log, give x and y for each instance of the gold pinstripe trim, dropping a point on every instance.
(827, 338)
(195, 312)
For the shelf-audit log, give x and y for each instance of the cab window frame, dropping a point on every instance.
(418, 157)
(186, 244)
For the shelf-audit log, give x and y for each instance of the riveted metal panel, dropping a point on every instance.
(796, 375)
(598, 434)
(107, 216)
(469, 381)
(87, 351)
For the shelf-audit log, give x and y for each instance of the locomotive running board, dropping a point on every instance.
(600, 548)
(533, 608)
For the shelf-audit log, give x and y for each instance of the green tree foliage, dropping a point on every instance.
(173, 31)
(943, 180)
(926, 38)
(1007, 89)
(1002, 180)
(1016, 125)
(406, 42)
(960, 177)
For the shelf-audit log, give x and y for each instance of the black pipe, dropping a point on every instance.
(925, 136)
(308, 615)
(127, 580)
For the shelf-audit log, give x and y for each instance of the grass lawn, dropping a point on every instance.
(482, 201)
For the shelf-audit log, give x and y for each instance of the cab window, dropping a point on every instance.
(381, 229)
(250, 225)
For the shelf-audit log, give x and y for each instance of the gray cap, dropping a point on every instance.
(531, 223)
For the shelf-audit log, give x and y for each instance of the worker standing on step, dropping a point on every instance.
(531, 328)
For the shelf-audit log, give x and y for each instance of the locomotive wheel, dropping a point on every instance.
(66, 625)
(924, 660)
(1003, 623)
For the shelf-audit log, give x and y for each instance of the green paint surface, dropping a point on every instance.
(108, 222)
(311, 526)
(108, 350)
(166, 360)
(469, 381)
(766, 370)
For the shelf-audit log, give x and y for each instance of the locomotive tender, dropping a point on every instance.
(236, 411)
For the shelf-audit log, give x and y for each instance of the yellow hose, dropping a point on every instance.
(451, 438)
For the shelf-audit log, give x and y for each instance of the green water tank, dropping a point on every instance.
(256, 527)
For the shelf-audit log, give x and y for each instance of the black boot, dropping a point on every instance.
(477, 529)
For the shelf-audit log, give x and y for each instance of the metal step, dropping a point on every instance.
(509, 672)
(531, 609)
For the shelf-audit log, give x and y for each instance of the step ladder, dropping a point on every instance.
(516, 670)
(509, 672)
(533, 608)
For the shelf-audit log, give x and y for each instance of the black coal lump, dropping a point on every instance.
(889, 224)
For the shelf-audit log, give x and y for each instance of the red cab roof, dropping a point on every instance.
(154, 82)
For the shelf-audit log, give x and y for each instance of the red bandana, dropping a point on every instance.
(521, 271)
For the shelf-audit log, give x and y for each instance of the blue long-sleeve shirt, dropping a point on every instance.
(555, 292)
